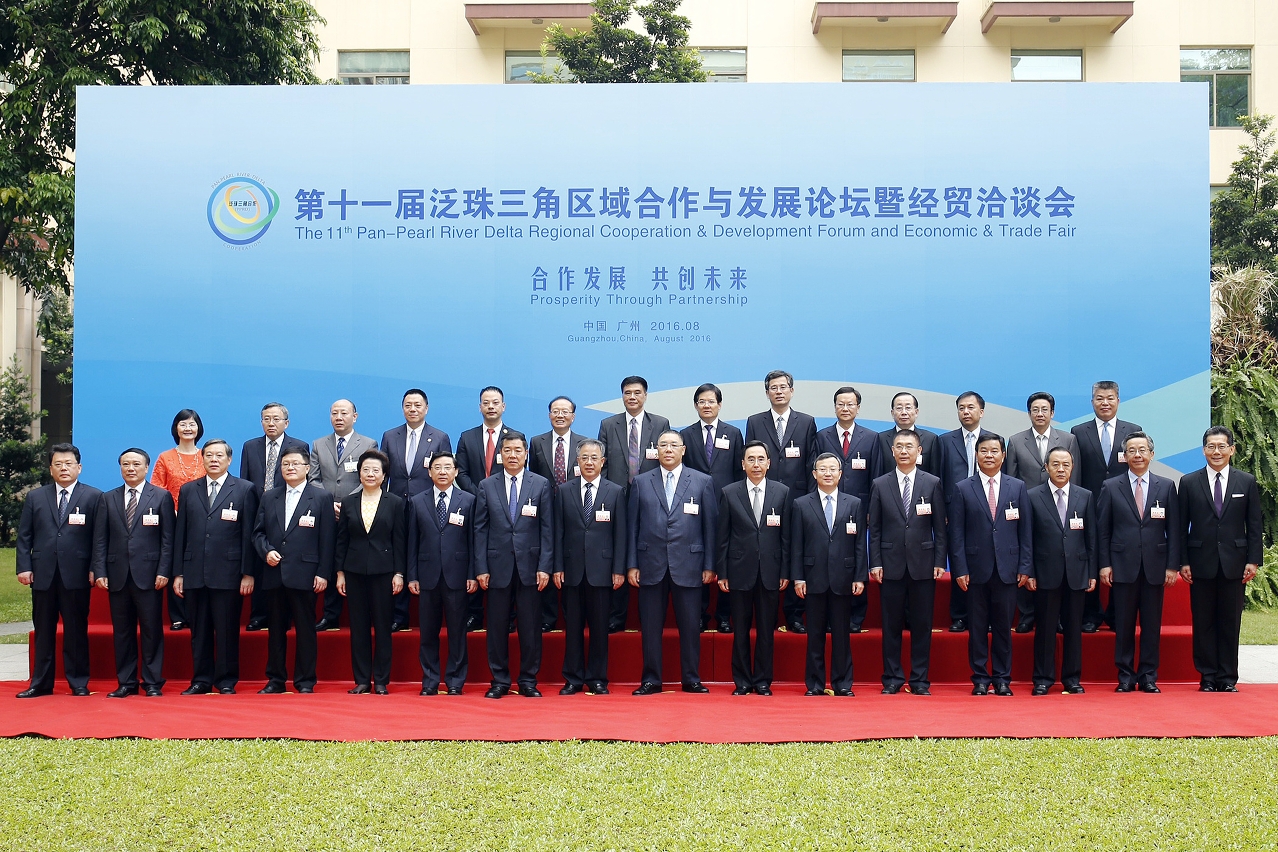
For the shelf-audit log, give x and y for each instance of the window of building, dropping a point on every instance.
(724, 65)
(1227, 73)
(372, 67)
(1047, 65)
(522, 64)
(874, 65)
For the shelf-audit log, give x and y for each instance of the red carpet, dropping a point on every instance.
(719, 717)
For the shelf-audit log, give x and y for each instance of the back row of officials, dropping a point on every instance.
(783, 508)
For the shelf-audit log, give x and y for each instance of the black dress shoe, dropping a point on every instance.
(80, 691)
(725, 625)
(398, 627)
(890, 690)
(796, 626)
(327, 624)
(572, 689)
(815, 692)
(178, 625)
(154, 692)
(1025, 625)
(705, 623)
(454, 690)
(697, 688)
(1226, 687)
(647, 689)
(1074, 689)
(123, 692)
(616, 626)
(256, 624)
(958, 625)
(198, 689)
(33, 693)
(981, 689)
(1125, 687)
(1003, 689)
(1150, 687)
(1090, 627)
(229, 690)
(530, 692)
(360, 689)
(474, 622)
(1039, 689)
(765, 691)
(599, 689)
(497, 691)
(429, 690)
(854, 628)
(272, 689)
(380, 689)
(1207, 686)
(306, 690)
(741, 690)
(547, 627)
(843, 693)
(920, 690)
(512, 626)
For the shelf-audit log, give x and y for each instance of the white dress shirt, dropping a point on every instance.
(448, 496)
(595, 488)
(221, 481)
(1224, 482)
(70, 489)
(1100, 429)
(409, 442)
(985, 485)
(1132, 479)
(519, 485)
(291, 498)
(664, 473)
(902, 478)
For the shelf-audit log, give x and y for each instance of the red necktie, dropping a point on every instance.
(847, 445)
(488, 454)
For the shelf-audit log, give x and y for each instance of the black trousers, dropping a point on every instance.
(586, 606)
(856, 612)
(474, 606)
(177, 606)
(72, 605)
(404, 600)
(260, 603)
(1094, 613)
(1025, 607)
(369, 605)
(550, 605)
(443, 606)
(907, 601)
(527, 603)
(1062, 606)
(1216, 606)
(215, 636)
(652, 621)
(135, 610)
(332, 603)
(828, 611)
(793, 605)
(990, 607)
(619, 606)
(760, 606)
(299, 606)
(958, 603)
(1144, 599)
(722, 604)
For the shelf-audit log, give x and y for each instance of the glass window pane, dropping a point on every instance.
(869, 65)
(1049, 66)
(1210, 80)
(522, 63)
(726, 78)
(1216, 59)
(372, 62)
(1231, 98)
(717, 62)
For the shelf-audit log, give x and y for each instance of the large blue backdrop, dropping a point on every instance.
(300, 244)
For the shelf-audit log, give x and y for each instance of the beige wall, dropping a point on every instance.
(19, 311)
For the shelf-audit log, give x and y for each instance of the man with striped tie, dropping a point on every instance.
(553, 456)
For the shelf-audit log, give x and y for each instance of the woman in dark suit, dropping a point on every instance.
(370, 571)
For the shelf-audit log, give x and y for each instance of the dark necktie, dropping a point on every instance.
(341, 448)
(1060, 504)
(441, 511)
(272, 456)
(131, 510)
(1220, 497)
(709, 442)
(589, 504)
(632, 449)
(561, 467)
(905, 496)
(62, 506)
(514, 499)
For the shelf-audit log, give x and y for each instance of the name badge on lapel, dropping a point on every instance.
(1012, 513)
(603, 516)
(691, 508)
(426, 461)
(851, 527)
(1158, 512)
(576, 470)
(1076, 523)
(307, 520)
(923, 509)
(793, 452)
(76, 519)
(722, 443)
(858, 463)
(151, 519)
(528, 510)
(1122, 457)
(351, 466)
(230, 513)
(919, 463)
(774, 520)
(457, 519)
(650, 453)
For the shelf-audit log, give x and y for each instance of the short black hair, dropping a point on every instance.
(297, 450)
(766, 451)
(1035, 397)
(215, 441)
(991, 436)
(444, 455)
(777, 374)
(634, 380)
(825, 456)
(64, 448)
(666, 432)
(143, 453)
(410, 392)
(900, 394)
(718, 394)
(847, 389)
(378, 456)
(1138, 434)
(501, 393)
(565, 399)
(980, 400)
(1222, 431)
(908, 433)
(187, 414)
(279, 405)
(1060, 450)
(512, 435)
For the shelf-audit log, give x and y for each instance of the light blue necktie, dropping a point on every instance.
(514, 499)
(829, 512)
(670, 488)
(1107, 443)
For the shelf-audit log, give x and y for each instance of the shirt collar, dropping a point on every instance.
(221, 480)
(1131, 477)
(824, 494)
(448, 495)
(631, 418)
(1211, 474)
(506, 473)
(70, 488)
(976, 433)
(296, 490)
(278, 442)
(1064, 488)
(677, 471)
(1100, 424)
(594, 482)
(986, 479)
(567, 436)
(713, 423)
(901, 475)
(838, 427)
(418, 430)
(785, 414)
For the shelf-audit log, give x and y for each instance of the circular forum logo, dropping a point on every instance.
(241, 210)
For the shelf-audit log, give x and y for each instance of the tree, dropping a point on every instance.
(1244, 221)
(609, 53)
(21, 458)
(48, 47)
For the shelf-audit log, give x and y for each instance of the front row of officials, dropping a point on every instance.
(668, 537)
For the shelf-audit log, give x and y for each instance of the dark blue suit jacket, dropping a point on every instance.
(209, 552)
(46, 546)
(801, 432)
(395, 444)
(526, 547)
(674, 541)
(954, 460)
(471, 452)
(981, 547)
(434, 552)
(1063, 557)
(307, 551)
(724, 466)
(1130, 544)
(253, 460)
(143, 551)
(862, 445)
(827, 560)
(906, 543)
(585, 547)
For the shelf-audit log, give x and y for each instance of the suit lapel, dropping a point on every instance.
(141, 507)
(303, 505)
(1048, 503)
(1130, 495)
(743, 497)
(223, 494)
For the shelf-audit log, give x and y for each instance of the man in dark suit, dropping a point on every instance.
(478, 457)
(441, 569)
(1027, 461)
(905, 413)
(827, 564)
(753, 565)
(1064, 516)
(672, 519)
(260, 465)
(907, 557)
(958, 462)
(630, 448)
(1100, 457)
(991, 537)
(139, 563)
(1222, 528)
(61, 552)
(295, 535)
(1140, 545)
(857, 447)
(214, 565)
(714, 448)
(410, 448)
(590, 562)
(791, 439)
(553, 455)
(335, 468)
(514, 556)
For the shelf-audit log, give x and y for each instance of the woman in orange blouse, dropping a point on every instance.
(173, 469)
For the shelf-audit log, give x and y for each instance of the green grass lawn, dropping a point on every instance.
(15, 598)
(1260, 627)
(915, 795)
